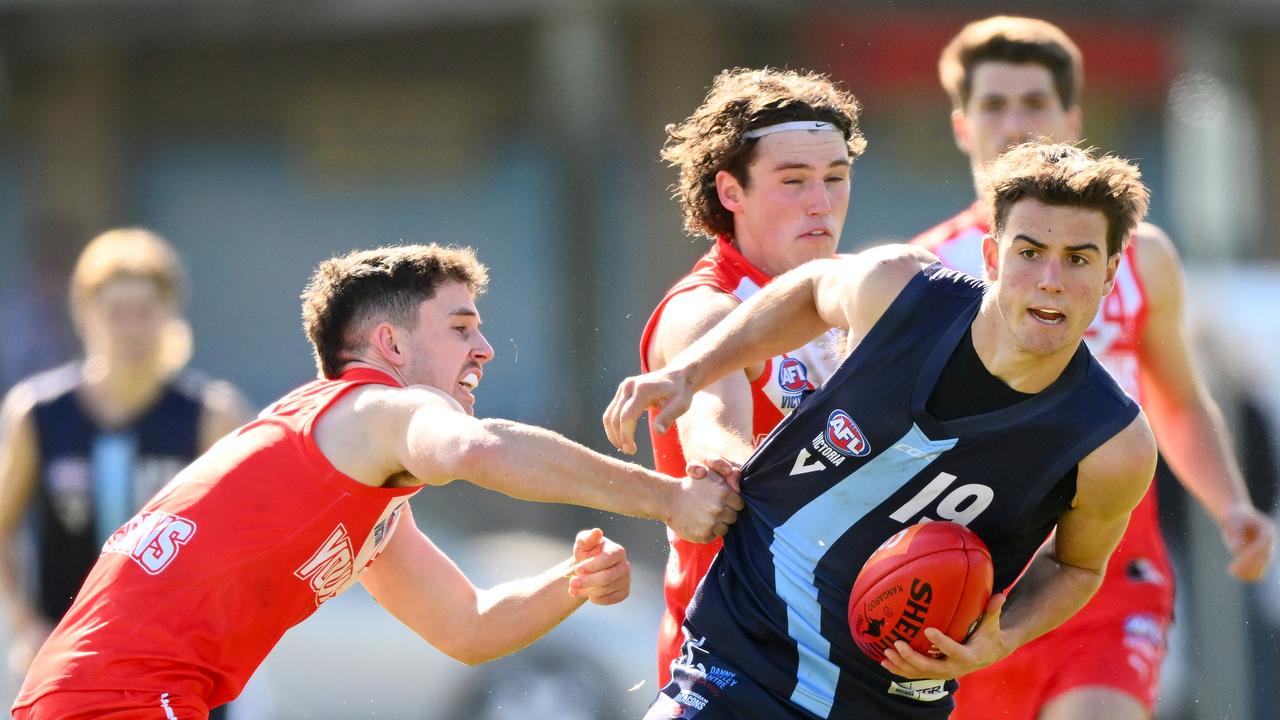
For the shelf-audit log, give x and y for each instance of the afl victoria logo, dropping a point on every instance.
(793, 376)
(845, 436)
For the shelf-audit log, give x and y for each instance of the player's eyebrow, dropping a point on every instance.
(805, 166)
(465, 312)
(1070, 248)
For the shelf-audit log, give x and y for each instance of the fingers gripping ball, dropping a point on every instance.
(935, 574)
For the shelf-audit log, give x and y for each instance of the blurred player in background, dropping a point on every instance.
(764, 170)
(958, 401)
(190, 595)
(1011, 79)
(83, 446)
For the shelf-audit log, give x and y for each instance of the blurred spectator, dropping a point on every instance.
(82, 446)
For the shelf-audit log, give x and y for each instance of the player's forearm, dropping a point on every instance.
(532, 463)
(514, 614)
(1048, 594)
(1192, 437)
(781, 317)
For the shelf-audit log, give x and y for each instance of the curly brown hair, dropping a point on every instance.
(1059, 174)
(346, 293)
(1018, 40)
(740, 100)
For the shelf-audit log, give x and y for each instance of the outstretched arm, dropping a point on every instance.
(1109, 484)
(1187, 423)
(850, 293)
(422, 431)
(418, 584)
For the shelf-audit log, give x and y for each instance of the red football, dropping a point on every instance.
(935, 574)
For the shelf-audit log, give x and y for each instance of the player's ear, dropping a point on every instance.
(991, 256)
(385, 340)
(729, 190)
(960, 129)
(1113, 267)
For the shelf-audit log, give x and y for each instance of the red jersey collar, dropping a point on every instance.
(363, 374)
(731, 256)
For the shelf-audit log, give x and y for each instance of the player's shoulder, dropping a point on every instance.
(371, 401)
(211, 394)
(884, 271)
(1122, 466)
(49, 385)
(19, 404)
(1156, 253)
(698, 305)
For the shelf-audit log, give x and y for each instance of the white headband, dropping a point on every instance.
(787, 127)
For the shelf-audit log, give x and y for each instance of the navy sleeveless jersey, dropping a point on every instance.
(860, 460)
(92, 479)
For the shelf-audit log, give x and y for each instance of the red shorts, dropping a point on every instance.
(112, 705)
(1123, 655)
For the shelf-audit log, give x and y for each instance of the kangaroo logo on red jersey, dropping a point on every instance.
(793, 376)
(151, 539)
(331, 567)
(845, 436)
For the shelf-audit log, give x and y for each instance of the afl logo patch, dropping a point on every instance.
(845, 436)
(793, 376)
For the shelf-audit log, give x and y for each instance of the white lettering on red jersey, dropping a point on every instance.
(335, 566)
(151, 539)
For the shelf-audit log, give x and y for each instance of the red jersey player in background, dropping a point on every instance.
(1012, 79)
(291, 509)
(764, 170)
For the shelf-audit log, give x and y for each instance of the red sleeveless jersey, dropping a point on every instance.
(190, 595)
(1113, 337)
(778, 390)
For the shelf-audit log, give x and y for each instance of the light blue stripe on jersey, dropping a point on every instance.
(801, 542)
(113, 460)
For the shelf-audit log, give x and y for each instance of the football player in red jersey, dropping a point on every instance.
(764, 171)
(296, 506)
(1012, 79)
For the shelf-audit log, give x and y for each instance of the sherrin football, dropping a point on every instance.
(934, 574)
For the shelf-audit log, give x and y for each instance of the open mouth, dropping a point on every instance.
(1048, 316)
(470, 381)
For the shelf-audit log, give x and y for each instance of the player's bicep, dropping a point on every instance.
(19, 455)
(1110, 483)
(435, 441)
(1167, 371)
(685, 318)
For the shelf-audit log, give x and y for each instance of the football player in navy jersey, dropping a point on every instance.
(957, 400)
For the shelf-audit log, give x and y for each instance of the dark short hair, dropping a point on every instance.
(1018, 40)
(1059, 174)
(712, 138)
(348, 292)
